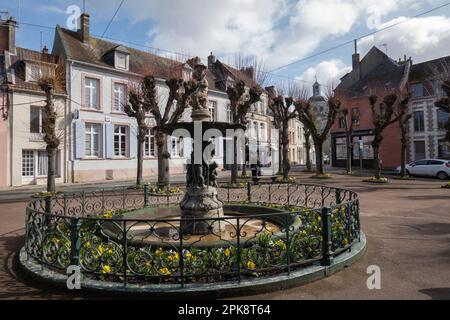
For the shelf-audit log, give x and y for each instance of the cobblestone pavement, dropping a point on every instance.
(407, 224)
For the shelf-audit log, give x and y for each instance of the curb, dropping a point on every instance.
(210, 291)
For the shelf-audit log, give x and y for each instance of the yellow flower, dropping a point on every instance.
(148, 264)
(159, 252)
(106, 269)
(227, 252)
(281, 244)
(164, 271)
(188, 255)
(100, 249)
(88, 244)
(251, 265)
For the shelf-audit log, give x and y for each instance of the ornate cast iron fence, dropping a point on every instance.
(307, 224)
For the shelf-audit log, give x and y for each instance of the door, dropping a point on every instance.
(419, 168)
(433, 167)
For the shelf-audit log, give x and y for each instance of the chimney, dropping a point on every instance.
(84, 27)
(8, 35)
(211, 61)
(356, 63)
(45, 50)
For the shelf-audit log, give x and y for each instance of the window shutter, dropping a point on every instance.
(109, 141)
(79, 139)
(133, 141)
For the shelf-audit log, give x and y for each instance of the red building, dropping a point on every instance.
(375, 74)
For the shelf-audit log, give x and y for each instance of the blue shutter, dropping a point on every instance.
(109, 140)
(133, 141)
(79, 139)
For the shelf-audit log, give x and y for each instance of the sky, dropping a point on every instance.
(276, 32)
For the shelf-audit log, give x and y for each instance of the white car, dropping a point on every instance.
(429, 167)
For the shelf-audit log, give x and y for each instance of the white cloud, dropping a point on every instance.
(421, 38)
(327, 72)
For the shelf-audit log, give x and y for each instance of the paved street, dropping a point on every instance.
(407, 224)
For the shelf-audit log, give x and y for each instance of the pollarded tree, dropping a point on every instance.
(403, 122)
(383, 116)
(241, 100)
(348, 118)
(308, 118)
(146, 99)
(307, 137)
(283, 111)
(50, 80)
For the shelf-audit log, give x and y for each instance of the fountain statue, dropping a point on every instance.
(201, 200)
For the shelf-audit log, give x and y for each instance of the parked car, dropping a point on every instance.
(429, 167)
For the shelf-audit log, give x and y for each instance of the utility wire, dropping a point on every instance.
(110, 21)
(359, 38)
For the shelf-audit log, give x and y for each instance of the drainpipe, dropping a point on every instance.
(69, 95)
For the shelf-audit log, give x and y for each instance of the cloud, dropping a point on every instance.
(327, 72)
(421, 38)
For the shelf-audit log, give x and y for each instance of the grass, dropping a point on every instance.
(321, 176)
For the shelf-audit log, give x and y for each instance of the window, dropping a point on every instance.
(229, 114)
(91, 93)
(34, 72)
(419, 150)
(177, 147)
(341, 122)
(367, 149)
(120, 99)
(356, 117)
(341, 151)
(442, 119)
(35, 163)
(92, 140)
(121, 60)
(37, 117)
(419, 121)
(149, 144)
(417, 90)
(262, 134)
(42, 158)
(27, 163)
(213, 110)
(256, 130)
(120, 141)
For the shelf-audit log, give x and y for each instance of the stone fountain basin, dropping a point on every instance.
(159, 227)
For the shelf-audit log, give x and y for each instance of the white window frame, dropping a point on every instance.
(89, 131)
(150, 140)
(120, 96)
(88, 92)
(41, 109)
(35, 164)
(122, 137)
(212, 107)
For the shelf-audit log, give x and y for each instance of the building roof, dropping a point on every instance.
(24, 56)
(425, 70)
(96, 50)
(377, 72)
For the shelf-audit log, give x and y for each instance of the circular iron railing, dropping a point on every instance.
(89, 230)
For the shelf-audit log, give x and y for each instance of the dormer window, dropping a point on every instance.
(33, 72)
(121, 58)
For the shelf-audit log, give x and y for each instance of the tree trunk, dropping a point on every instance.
(234, 166)
(308, 153)
(376, 160)
(51, 154)
(140, 161)
(349, 155)
(280, 155)
(318, 146)
(403, 151)
(163, 160)
(285, 147)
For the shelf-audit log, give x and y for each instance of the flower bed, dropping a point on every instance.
(75, 234)
(376, 181)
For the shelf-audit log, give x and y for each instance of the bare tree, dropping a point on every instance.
(444, 104)
(307, 136)
(51, 80)
(137, 109)
(165, 111)
(403, 122)
(348, 118)
(383, 116)
(241, 99)
(283, 111)
(308, 117)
